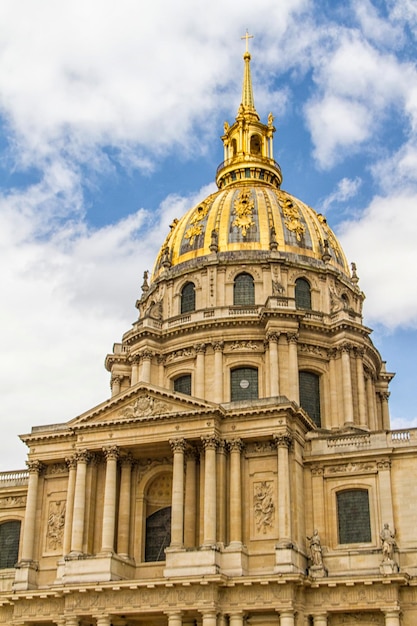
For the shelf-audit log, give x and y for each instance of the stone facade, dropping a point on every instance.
(243, 469)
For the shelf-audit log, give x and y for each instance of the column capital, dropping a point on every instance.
(210, 442)
(292, 337)
(283, 440)
(147, 355)
(272, 336)
(178, 445)
(126, 459)
(82, 456)
(235, 445)
(345, 347)
(35, 467)
(317, 470)
(200, 348)
(71, 462)
(111, 453)
(218, 346)
(383, 464)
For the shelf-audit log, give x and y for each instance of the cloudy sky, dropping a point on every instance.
(110, 117)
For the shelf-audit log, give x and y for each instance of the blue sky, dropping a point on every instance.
(110, 117)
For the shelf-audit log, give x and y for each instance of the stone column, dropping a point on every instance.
(218, 372)
(161, 369)
(273, 339)
(60, 621)
(286, 618)
(103, 620)
(334, 414)
(209, 618)
(79, 503)
(347, 385)
(317, 474)
(69, 509)
(283, 360)
(361, 388)
(146, 366)
(72, 621)
(221, 492)
(35, 468)
(177, 514)
(384, 479)
(123, 526)
(175, 618)
(190, 508)
(135, 369)
(210, 513)
(384, 395)
(370, 398)
(200, 369)
(236, 619)
(109, 506)
(235, 447)
(392, 617)
(320, 619)
(293, 368)
(283, 442)
(115, 385)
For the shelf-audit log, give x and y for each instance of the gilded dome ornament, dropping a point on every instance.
(293, 219)
(243, 209)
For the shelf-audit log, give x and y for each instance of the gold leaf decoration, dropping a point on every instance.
(196, 227)
(292, 221)
(243, 209)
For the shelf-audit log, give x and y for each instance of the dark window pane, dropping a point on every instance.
(244, 384)
(244, 290)
(188, 298)
(353, 516)
(158, 534)
(183, 384)
(310, 395)
(9, 544)
(302, 294)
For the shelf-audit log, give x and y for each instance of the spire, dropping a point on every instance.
(248, 101)
(248, 149)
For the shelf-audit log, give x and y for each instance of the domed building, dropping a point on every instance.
(243, 470)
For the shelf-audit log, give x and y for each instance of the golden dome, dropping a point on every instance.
(243, 219)
(250, 217)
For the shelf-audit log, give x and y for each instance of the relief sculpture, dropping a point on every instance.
(56, 522)
(264, 507)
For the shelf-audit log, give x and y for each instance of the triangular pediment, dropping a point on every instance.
(142, 402)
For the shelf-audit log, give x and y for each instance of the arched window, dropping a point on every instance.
(182, 384)
(158, 518)
(9, 544)
(309, 384)
(255, 144)
(234, 147)
(244, 384)
(354, 524)
(188, 298)
(302, 294)
(244, 289)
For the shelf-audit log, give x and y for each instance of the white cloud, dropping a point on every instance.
(346, 188)
(357, 86)
(382, 243)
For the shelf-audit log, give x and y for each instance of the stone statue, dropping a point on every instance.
(315, 549)
(387, 543)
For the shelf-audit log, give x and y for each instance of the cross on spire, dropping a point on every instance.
(247, 37)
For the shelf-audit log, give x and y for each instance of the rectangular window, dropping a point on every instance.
(353, 516)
